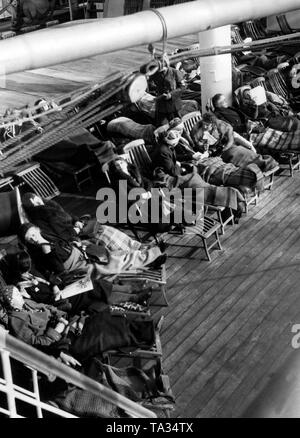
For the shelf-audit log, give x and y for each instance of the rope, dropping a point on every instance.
(88, 115)
(165, 34)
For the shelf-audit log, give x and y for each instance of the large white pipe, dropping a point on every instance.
(216, 71)
(62, 44)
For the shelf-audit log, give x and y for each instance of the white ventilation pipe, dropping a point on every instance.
(56, 45)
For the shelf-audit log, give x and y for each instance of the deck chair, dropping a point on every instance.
(138, 154)
(32, 175)
(137, 355)
(293, 158)
(4, 182)
(236, 35)
(277, 82)
(206, 228)
(189, 120)
(269, 177)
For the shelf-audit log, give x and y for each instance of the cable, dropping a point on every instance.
(165, 33)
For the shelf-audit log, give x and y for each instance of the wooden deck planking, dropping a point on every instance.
(25, 87)
(228, 324)
(180, 369)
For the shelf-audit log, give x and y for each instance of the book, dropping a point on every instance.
(258, 95)
(78, 287)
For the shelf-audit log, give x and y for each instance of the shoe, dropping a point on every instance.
(159, 324)
(158, 262)
(85, 218)
(162, 245)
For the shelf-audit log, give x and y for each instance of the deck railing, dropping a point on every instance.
(38, 362)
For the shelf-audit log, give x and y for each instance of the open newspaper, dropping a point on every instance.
(78, 287)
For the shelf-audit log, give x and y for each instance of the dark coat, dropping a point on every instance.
(236, 118)
(165, 158)
(35, 324)
(51, 218)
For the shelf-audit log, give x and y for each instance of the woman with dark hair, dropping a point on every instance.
(54, 254)
(211, 134)
(51, 217)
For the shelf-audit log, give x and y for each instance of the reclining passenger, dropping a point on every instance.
(235, 117)
(51, 217)
(125, 127)
(165, 161)
(52, 253)
(33, 285)
(50, 330)
(230, 152)
(212, 133)
(269, 113)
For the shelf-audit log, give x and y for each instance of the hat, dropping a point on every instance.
(23, 230)
(6, 295)
(176, 124)
(27, 200)
(172, 137)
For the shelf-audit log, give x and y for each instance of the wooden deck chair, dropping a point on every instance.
(38, 180)
(138, 354)
(293, 160)
(156, 278)
(238, 93)
(4, 182)
(206, 228)
(189, 120)
(236, 35)
(277, 82)
(138, 154)
(215, 211)
(269, 177)
(259, 81)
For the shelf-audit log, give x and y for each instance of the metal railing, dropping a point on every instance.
(38, 362)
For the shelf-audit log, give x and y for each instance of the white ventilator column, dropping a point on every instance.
(216, 71)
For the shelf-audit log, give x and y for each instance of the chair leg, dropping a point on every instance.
(206, 248)
(291, 166)
(222, 231)
(218, 240)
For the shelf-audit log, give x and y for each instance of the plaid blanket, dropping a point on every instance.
(277, 140)
(114, 239)
(212, 195)
(215, 171)
(141, 386)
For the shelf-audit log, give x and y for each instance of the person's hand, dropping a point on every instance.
(60, 327)
(68, 360)
(63, 320)
(146, 195)
(197, 156)
(57, 293)
(78, 244)
(167, 95)
(79, 224)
